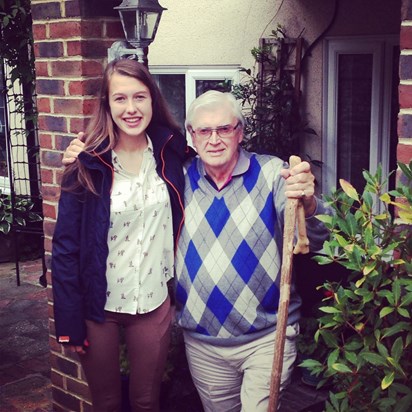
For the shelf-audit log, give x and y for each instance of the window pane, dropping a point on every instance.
(354, 116)
(203, 86)
(172, 87)
(3, 155)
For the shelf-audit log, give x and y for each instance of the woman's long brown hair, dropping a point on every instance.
(102, 127)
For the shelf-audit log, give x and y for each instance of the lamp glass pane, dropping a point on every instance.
(148, 24)
(130, 28)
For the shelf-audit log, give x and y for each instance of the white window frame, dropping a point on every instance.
(382, 50)
(193, 73)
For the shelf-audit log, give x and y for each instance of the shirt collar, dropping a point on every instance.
(241, 167)
(117, 165)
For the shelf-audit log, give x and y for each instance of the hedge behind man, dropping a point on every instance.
(229, 258)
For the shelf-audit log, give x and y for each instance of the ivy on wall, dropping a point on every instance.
(16, 40)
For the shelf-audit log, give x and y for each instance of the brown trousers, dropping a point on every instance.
(147, 340)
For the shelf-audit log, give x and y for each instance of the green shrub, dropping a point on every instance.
(366, 323)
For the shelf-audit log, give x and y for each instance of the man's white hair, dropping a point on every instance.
(211, 99)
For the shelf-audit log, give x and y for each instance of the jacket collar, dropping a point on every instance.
(159, 135)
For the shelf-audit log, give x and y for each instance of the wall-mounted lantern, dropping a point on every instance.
(140, 20)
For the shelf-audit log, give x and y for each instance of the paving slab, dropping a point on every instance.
(25, 355)
(24, 340)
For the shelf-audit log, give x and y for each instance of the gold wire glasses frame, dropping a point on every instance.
(222, 131)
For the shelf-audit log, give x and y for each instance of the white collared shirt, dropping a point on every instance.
(140, 239)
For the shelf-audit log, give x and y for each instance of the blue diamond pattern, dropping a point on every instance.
(251, 177)
(181, 294)
(192, 260)
(202, 331)
(217, 215)
(245, 261)
(268, 214)
(194, 176)
(271, 300)
(219, 305)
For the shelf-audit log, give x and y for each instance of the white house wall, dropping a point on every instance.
(222, 32)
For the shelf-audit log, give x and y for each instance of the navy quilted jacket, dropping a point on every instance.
(80, 248)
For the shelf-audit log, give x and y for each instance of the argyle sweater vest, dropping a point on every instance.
(229, 254)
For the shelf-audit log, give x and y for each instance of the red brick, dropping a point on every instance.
(406, 37)
(51, 158)
(63, 141)
(65, 365)
(39, 31)
(74, 106)
(50, 299)
(66, 68)
(92, 28)
(48, 277)
(96, 48)
(86, 407)
(50, 193)
(52, 123)
(50, 86)
(405, 67)
(404, 153)
(49, 227)
(59, 176)
(74, 48)
(92, 49)
(405, 126)
(48, 248)
(405, 96)
(57, 379)
(48, 262)
(41, 68)
(406, 10)
(43, 105)
(84, 87)
(114, 30)
(49, 211)
(46, 10)
(79, 388)
(54, 345)
(78, 125)
(93, 67)
(47, 176)
(50, 312)
(65, 29)
(72, 8)
(46, 141)
(44, 49)
(65, 399)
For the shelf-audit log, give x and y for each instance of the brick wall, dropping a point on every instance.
(404, 151)
(70, 54)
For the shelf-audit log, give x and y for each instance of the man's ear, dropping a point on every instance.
(240, 131)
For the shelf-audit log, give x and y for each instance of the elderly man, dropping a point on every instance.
(229, 258)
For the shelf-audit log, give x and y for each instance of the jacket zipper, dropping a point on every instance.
(174, 188)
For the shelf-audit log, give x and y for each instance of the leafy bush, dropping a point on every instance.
(366, 323)
(267, 94)
(19, 215)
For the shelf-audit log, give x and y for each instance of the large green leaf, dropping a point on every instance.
(373, 358)
(349, 189)
(387, 380)
(341, 367)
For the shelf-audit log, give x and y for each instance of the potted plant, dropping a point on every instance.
(309, 348)
(18, 214)
(274, 124)
(366, 322)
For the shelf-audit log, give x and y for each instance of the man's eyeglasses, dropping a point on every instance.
(205, 133)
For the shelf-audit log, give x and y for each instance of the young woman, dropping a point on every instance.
(120, 215)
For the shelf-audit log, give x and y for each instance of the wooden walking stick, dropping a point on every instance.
(293, 210)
